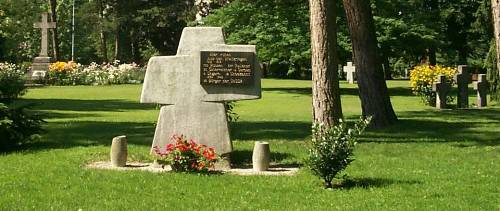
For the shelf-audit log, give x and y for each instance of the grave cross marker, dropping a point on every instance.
(350, 70)
(462, 78)
(441, 87)
(482, 89)
(44, 26)
(193, 107)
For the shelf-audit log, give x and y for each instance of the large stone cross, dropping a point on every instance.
(193, 102)
(350, 70)
(441, 87)
(462, 78)
(482, 89)
(44, 26)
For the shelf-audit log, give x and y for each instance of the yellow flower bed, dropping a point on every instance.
(62, 66)
(422, 77)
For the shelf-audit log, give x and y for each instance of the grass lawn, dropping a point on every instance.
(430, 160)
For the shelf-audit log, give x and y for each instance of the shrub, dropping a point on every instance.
(331, 149)
(11, 82)
(60, 73)
(18, 126)
(422, 77)
(187, 156)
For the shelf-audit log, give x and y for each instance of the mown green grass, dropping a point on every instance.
(430, 160)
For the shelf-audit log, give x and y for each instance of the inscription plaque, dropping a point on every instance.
(227, 68)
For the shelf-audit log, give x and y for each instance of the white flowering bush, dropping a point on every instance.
(11, 82)
(95, 74)
(331, 149)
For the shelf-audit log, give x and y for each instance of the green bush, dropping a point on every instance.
(18, 126)
(11, 82)
(331, 149)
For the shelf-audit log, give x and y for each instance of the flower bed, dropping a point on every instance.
(422, 77)
(71, 73)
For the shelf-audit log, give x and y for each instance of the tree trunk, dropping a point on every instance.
(495, 79)
(373, 91)
(103, 36)
(326, 92)
(55, 40)
(117, 44)
(495, 10)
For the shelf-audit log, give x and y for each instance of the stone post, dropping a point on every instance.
(482, 89)
(119, 151)
(462, 78)
(261, 156)
(441, 87)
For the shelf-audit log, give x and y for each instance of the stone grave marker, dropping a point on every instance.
(481, 86)
(193, 85)
(41, 63)
(462, 78)
(441, 87)
(350, 70)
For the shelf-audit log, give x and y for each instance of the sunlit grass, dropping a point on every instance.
(429, 160)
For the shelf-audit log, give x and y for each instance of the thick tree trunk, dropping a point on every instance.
(103, 36)
(373, 91)
(495, 10)
(55, 40)
(326, 92)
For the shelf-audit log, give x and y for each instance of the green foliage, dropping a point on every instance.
(11, 82)
(493, 75)
(279, 29)
(331, 149)
(231, 115)
(186, 156)
(18, 125)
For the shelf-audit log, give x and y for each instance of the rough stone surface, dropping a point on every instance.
(119, 152)
(481, 87)
(462, 78)
(441, 87)
(261, 156)
(189, 108)
(350, 70)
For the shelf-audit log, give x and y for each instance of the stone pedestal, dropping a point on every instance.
(119, 151)
(39, 68)
(261, 156)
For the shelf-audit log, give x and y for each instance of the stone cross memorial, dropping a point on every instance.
(350, 70)
(462, 78)
(193, 85)
(41, 63)
(482, 89)
(441, 87)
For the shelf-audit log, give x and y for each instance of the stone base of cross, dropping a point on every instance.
(190, 107)
(39, 68)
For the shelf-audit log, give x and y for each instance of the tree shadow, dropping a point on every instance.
(470, 125)
(394, 91)
(366, 183)
(85, 105)
(243, 159)
(270, 130)
(61, 135)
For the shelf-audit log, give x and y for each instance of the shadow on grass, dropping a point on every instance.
(476, 126)
(395, 91)
(74, 134)
(366, 183)
(285, 130)
(243, 159)
(85, 105)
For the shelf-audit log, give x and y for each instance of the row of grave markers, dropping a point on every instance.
(462, 78)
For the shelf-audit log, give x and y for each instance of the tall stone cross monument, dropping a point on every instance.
(41, 63)
(192, 86)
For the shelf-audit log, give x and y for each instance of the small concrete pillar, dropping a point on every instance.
(261, 156)
(119, 151)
